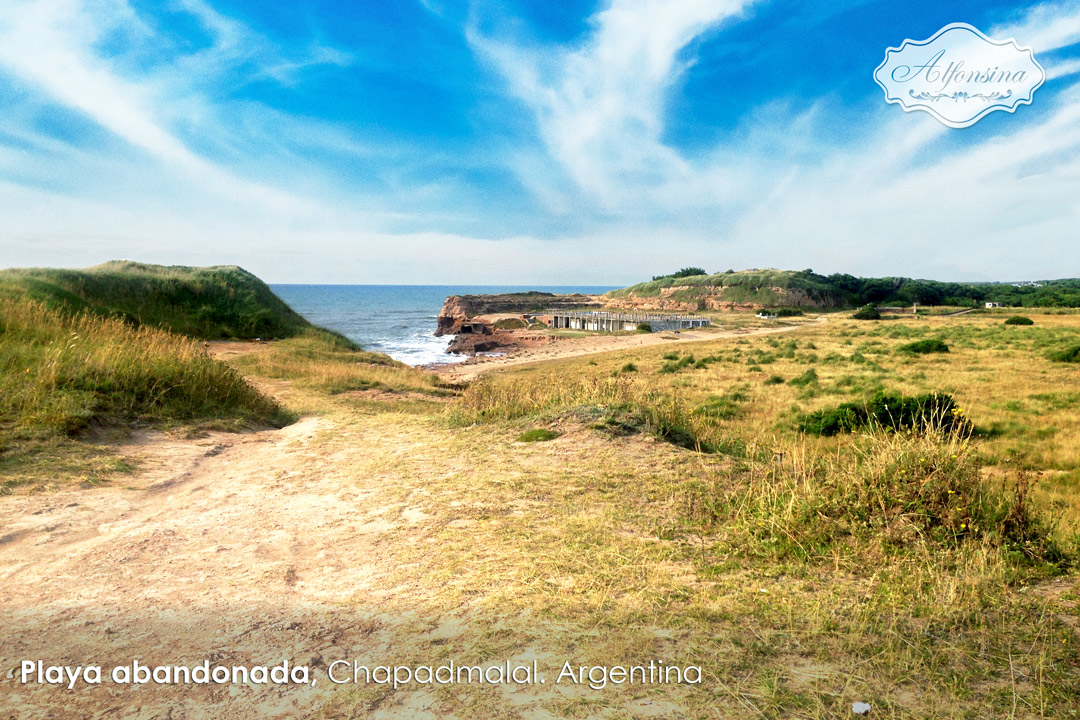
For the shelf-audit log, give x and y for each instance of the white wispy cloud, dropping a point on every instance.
(1044, 27)
(211, 179)
(599, 106)
(53, 45)
(902, 193)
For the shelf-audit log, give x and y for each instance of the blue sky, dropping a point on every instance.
(435, 141)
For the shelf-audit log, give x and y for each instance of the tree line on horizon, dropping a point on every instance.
(876, 291)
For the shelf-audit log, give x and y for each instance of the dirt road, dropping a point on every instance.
(597, 344)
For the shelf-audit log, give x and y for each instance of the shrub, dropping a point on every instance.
(924, 347)
(867, 312)
(644, 328)
(1019, 320)
(810, 377)
(673, 355)
(721, 407)
(788, 312)
(889, 410)
(677, 365)
(685, 272)
(538, 435)
(1069, 355)
(628, 368)
(510, 324)
(774, 380)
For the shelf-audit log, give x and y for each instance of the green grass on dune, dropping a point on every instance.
(203, 302)
(60, 374)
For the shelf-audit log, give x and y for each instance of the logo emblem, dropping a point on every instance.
(959, 75)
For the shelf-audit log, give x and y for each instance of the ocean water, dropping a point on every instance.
(398, 320)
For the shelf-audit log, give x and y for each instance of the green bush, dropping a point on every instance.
(1069, 355)
(924, 347)
(719, 407)
(724, 406)
(890, 410)
(677, 365)
(628, 368)
(867, 312)
(810, 377)
(644, 328)
(510, 324)
(1019, 320)
(685, 272)
(774, 380)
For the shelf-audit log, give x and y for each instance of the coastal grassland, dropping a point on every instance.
(927, 573)
(574, 511)
(203, 302)
(787, 579)
(62, 375)
(1023, 404)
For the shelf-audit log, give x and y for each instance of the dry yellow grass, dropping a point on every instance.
(780, 564)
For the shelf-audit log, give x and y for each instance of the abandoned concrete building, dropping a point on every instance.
(600, 321)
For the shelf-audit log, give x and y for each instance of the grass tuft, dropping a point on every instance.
(538, 435)
(924, 347)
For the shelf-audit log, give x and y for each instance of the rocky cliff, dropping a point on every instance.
(459, 308)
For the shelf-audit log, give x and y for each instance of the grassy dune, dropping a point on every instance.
(62, 374)
(89, 354)
(202, 302)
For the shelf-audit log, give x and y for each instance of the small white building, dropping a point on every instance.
(994, 305)
(764, 315)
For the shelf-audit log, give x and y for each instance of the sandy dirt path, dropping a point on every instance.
(241, 549)
(597, 344)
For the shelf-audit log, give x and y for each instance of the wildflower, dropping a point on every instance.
(963, 526)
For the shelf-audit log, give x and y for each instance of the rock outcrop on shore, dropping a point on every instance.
(459, 308)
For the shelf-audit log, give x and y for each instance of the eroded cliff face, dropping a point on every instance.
(460, 308)
(713, 299)
(451, 316)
